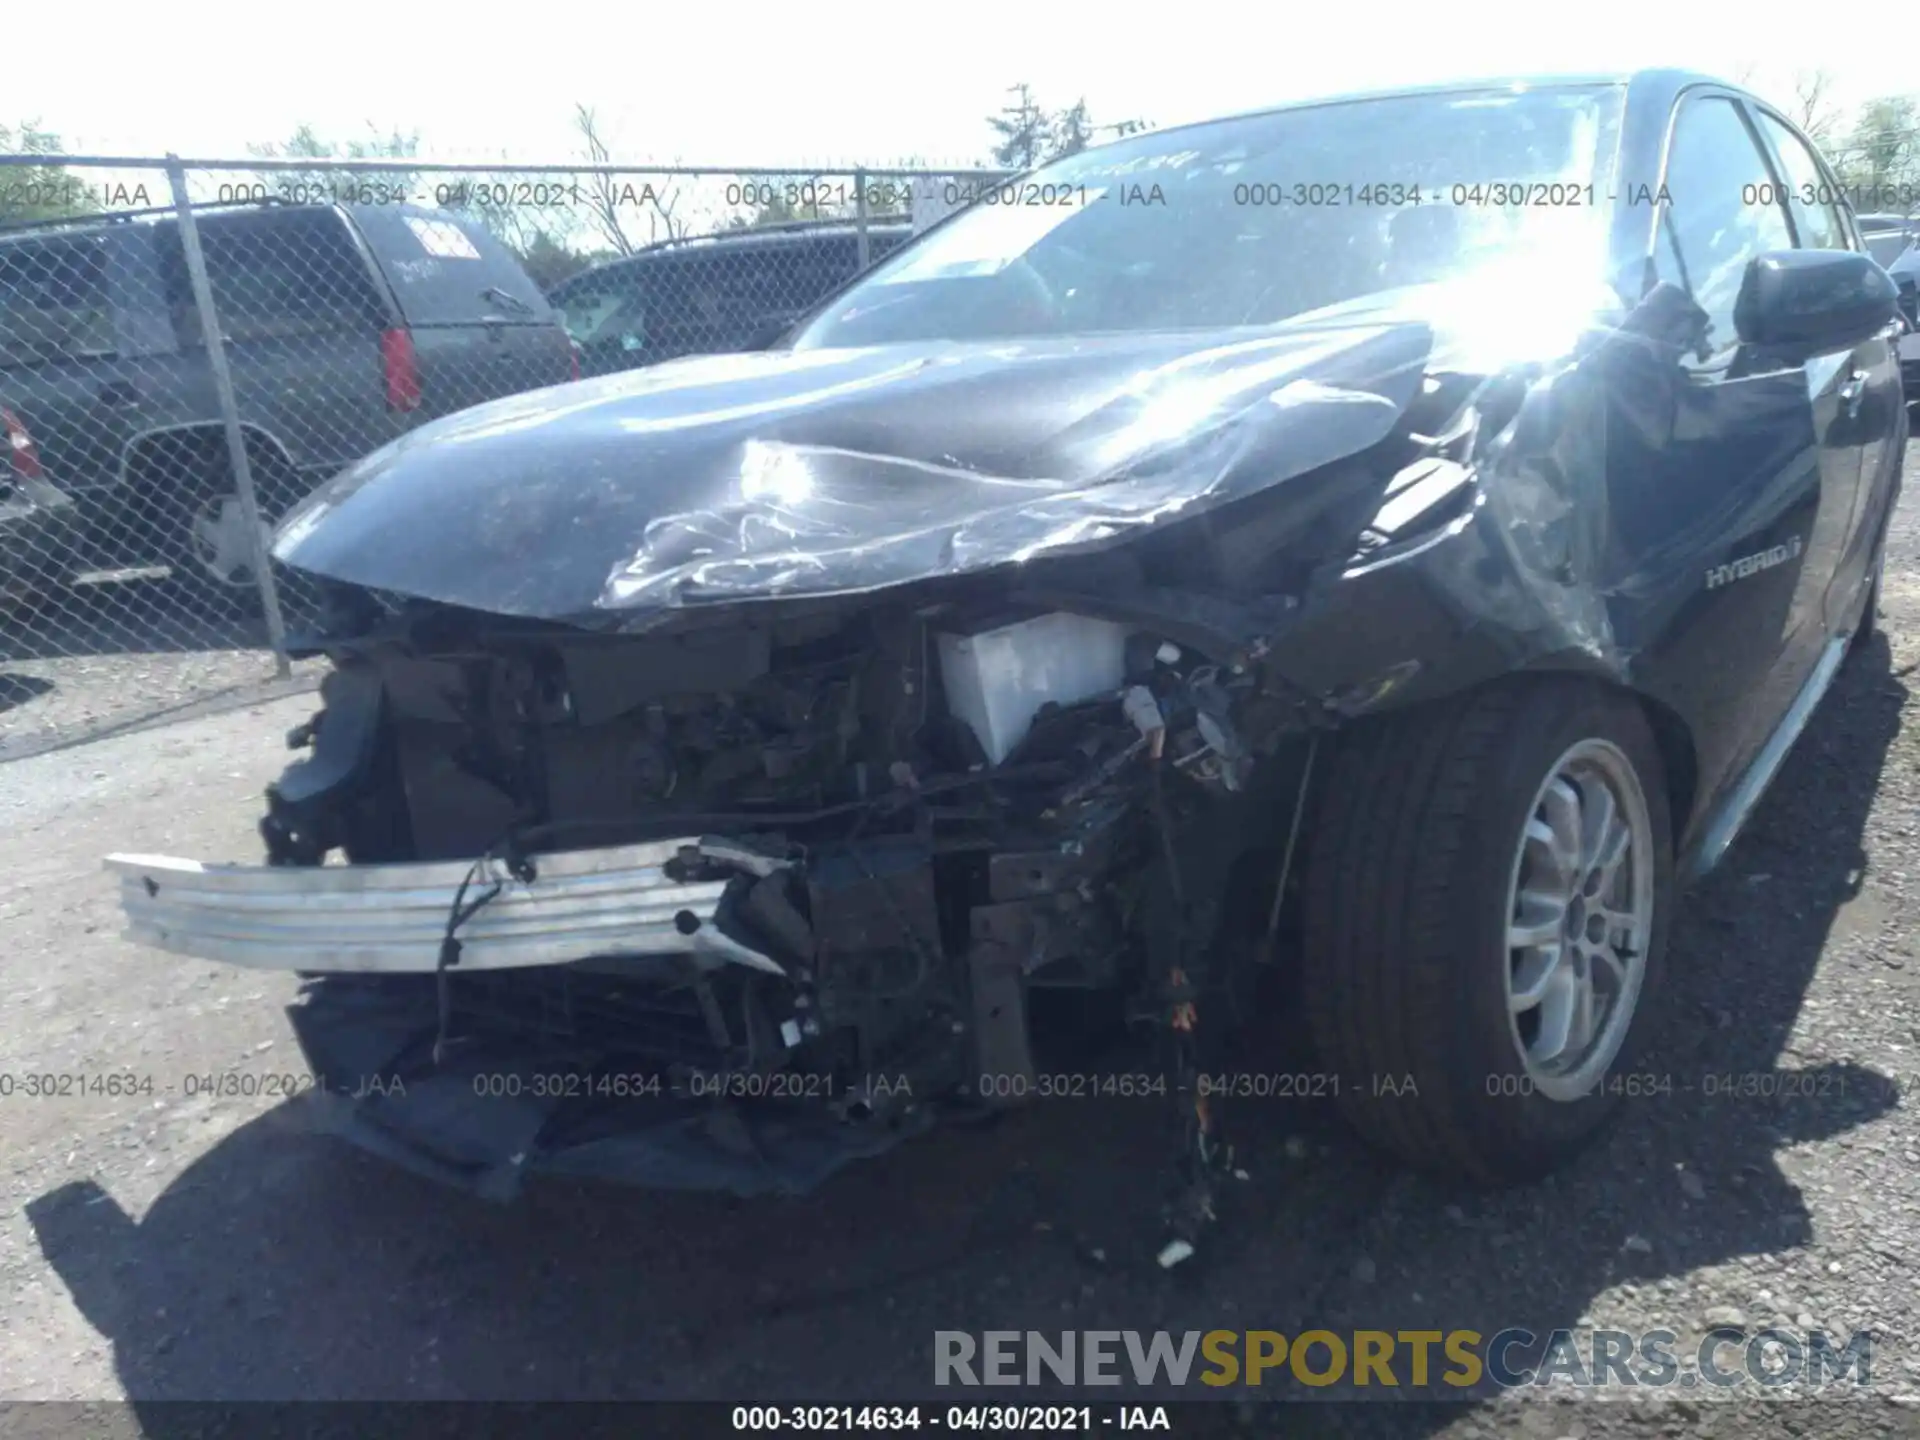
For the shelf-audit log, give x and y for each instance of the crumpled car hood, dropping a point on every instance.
(826, 472)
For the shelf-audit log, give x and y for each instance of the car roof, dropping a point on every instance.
(762, 237)
(114, 221)
(1653, 83)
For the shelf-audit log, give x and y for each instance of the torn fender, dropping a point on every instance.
(833, 472)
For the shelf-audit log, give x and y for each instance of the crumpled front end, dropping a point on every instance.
(746, 849)
(725, 908)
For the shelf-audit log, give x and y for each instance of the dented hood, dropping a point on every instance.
(823, 472)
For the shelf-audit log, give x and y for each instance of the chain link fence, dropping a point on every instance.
(187, 349)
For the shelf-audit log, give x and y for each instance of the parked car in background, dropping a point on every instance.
(1888, 236)
(1894, 241)
(344, 326)
(733, 290)
(760, 734)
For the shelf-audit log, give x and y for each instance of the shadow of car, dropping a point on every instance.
(279, 1266)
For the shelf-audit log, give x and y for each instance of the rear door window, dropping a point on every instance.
(54, 301)
(273, 276)
(448, 269)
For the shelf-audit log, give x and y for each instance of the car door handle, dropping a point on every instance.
(1854, 393)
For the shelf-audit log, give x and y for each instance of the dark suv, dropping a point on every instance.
(343, 326)
(734, 290)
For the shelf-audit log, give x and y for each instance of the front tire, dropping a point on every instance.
(1485, 922)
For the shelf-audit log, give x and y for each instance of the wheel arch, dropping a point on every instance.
(210, 435)
(1672, 735)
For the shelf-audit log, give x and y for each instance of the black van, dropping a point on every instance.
(344, 326)
(728, 291)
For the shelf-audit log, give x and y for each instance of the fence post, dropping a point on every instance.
(860, 216)
(229, 414)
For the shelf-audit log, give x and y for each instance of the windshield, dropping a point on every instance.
(1249, 222)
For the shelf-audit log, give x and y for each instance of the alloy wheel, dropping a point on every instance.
(218, 540)
(1580, 918)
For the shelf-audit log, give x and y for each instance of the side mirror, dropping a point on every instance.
(1813, 300)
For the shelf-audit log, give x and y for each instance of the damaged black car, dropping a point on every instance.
(1392, 541)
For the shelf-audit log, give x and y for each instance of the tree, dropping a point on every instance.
(608, 195)
(322, 184)
(1881, 154)
(1070, 131)
(1024, 130)
(39, 192)
(1031, 135)
(549, 260)
(777, 210)
(787, 200)
(1813, 109)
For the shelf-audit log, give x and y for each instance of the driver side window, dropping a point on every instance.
(1723, 209)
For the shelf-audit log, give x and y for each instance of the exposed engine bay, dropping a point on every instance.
(890, 820)
(915, 815)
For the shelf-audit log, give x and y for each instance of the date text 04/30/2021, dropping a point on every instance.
(1015, 1419)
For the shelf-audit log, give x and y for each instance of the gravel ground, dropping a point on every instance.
(168, 1247)
(102, 658)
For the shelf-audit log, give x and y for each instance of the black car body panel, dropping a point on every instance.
(843, 471)
(743, 598)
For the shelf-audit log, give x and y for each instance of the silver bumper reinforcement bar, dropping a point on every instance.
(391, 918)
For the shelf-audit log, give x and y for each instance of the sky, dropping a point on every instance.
(820, 83)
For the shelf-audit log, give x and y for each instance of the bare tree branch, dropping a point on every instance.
(601, 188)
(662, 218)
(1813, 108)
